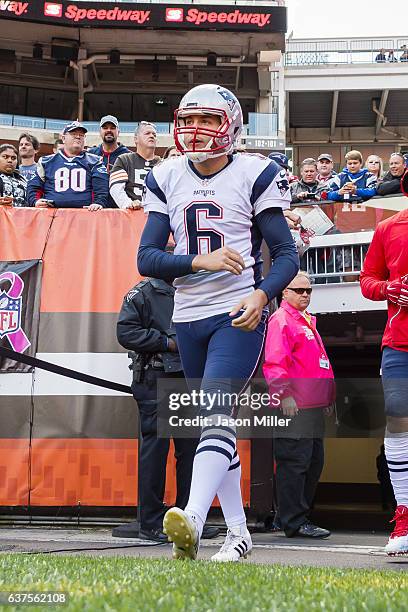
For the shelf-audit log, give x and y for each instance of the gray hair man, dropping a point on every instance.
(128, 174)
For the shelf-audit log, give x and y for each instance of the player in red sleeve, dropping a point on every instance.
(385, 277)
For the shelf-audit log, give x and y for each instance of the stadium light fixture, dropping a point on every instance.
(64, 50)
(38, 51)
(211, 59)
(8, 55)
(114, 57)
(155, 69)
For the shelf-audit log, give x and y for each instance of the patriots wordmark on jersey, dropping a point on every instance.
(71, 182)
(207, 213)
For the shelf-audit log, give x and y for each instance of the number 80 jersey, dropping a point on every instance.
(71, 182)
(207, 213)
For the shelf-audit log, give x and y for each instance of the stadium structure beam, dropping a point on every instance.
(381, 119)
(237, 78)
(81, 93)
(25, 80)
(78, 66)
(335, 103)
(189, 60)
(83, 64)
(287, 117)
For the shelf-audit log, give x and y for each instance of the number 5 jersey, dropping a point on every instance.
(209, 212)
(71, 182)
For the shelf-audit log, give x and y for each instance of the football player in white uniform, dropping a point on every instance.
(219, 207)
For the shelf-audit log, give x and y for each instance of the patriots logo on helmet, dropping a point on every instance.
(228, 97)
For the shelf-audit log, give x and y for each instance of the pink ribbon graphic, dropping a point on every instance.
(17, 339)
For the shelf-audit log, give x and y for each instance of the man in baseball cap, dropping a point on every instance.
(283, 161)
(280, 159)
(74, 125)
(109, 119)
(70, 178)
(325, 156)
(325, 171)
(110, 149)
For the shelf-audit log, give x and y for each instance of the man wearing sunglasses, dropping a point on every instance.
(297, 365)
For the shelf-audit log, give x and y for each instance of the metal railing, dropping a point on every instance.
(57, 125)
(259, 124)
(337, 263)
(306, 52)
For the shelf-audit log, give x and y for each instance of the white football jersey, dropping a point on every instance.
(209, 213)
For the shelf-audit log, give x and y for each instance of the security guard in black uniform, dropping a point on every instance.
(144, 329)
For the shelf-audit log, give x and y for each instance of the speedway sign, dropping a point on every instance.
(157, 16)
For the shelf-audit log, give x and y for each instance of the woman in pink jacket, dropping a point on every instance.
(297, 366)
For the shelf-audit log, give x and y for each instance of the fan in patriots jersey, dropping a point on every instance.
(218, 206)
(70, 178)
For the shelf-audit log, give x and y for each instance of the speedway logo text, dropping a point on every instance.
(18, 8)
(77, 14)
(198, 17)
(172, 15)
(93, 13)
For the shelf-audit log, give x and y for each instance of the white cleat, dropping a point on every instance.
(181, 529)
(397, 546)
(235, 547)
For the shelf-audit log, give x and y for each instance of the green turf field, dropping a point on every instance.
(118, 583)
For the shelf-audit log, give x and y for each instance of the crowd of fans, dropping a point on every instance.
(112, 176)
(338, 201)
(354, 185)
(380, 58)
(73, 176)
(318, 178)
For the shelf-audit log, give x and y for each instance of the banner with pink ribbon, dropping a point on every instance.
(10, 312)
(19, 309)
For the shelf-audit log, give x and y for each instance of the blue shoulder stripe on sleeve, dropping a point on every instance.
(264, 180)
(151, 184)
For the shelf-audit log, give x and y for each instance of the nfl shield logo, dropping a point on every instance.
(10, 314)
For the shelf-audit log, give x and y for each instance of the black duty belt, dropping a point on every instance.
(156, 364)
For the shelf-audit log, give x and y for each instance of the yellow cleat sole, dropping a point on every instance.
(181, 533)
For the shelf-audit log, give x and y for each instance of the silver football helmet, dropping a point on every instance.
(208, 100)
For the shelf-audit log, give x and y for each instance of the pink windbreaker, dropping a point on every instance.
(296, 361)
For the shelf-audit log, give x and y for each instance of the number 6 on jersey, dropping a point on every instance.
(202, 239)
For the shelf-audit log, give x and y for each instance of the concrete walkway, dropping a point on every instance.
(343, 549)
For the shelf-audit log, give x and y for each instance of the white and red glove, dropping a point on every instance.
(397, 291)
